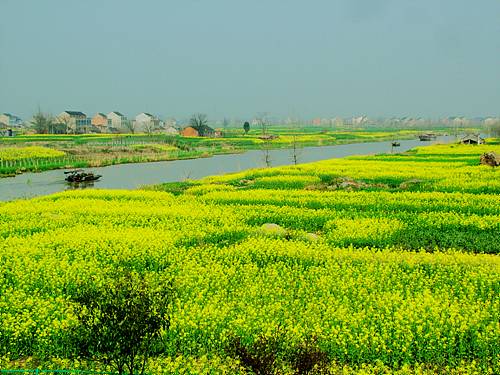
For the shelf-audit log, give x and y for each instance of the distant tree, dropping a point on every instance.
(199, 122)
(295, 150)
(129, 126)
(122, 321)
(42, 123)
(59, 128)
(494, 129)
(262, 120)
(266, 149)
(225, 125)
(149, 127)
(295, 144)
(246, 127)
(64, 123)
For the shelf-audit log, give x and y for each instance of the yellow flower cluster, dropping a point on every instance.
(17, 153)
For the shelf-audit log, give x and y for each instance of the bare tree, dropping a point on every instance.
(494, 128)
(262, 121)
(295, 150)
(149, 127)
(266, 149)
(295, 145)
(198, 120)
(129, 126)
(65, 123)
(42, 123)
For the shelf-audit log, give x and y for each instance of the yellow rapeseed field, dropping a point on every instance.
(388, 263)
(17, 153)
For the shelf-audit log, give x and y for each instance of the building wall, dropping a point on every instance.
(171, 130)
(143, 122)
(189, 132)
(99, 120)
(4, 119)
(68, 120)
(142, 117)
(117, 121)
(10, 121)
(76, 124)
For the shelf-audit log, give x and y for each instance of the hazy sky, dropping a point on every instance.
(235, 58)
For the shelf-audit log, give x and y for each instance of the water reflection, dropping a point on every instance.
(79, 185)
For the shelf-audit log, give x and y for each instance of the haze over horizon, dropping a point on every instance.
(236, 58)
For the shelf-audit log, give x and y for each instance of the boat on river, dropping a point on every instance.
(78, 176)
(427, 137)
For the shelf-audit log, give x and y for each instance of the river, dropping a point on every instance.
(132, 176)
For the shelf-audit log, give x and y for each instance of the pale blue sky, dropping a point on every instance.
(235, 58)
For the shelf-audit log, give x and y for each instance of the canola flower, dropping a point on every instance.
(394, 280)
(18, 153)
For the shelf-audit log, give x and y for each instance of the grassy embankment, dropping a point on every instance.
(78, 151)
(380, 264)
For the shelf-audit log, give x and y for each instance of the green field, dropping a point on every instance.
(384, 264)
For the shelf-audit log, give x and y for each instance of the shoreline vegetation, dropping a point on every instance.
(37, 153)
(367, 264)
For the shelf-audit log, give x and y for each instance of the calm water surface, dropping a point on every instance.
(132, 176)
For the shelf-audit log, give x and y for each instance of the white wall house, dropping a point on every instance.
(169, 126)
(77, 122)
(146, 123)
(10, 120)
(171, 130)
(118, 121)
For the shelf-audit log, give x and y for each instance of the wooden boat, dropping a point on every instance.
(395, 144)
(427, 137)
(78, 176)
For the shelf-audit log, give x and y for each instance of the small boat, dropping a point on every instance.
(427, 137)
(78, 176)
(395, 144)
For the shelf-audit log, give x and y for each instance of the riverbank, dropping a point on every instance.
(135, 175)
(89, 151)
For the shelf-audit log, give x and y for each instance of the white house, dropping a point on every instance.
(171, 130)
(117, 121)
(76, 121)
(146, 123)
(10, 120)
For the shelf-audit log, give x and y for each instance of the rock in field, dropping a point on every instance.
(490, 158)
(273, 229)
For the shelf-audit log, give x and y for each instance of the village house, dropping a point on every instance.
(146, 123)
(205, 131)
(170, 122)
(472, 139)
(189, 132)
(170, 130)
(8, 120)
(101, 122)
(75, 121)
(117, 122)
(170, 126)
(198, 131)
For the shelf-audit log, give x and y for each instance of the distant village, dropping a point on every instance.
(77, 122)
